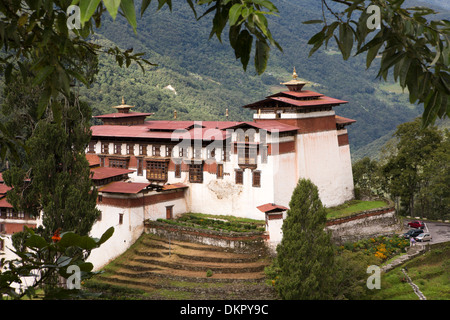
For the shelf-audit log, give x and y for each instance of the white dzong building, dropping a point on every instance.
(149, 169)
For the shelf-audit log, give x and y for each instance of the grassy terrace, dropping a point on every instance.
(218, 222)
(236, 224)
(352, 207)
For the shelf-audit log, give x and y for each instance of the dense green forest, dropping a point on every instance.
(208, 80)
(413, 171)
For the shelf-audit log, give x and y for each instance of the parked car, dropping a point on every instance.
(416, 224)
(412, 233)
(423, 237)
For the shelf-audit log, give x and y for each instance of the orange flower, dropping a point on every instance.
(56, 235)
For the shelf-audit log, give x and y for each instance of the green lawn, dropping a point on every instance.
(352, 207)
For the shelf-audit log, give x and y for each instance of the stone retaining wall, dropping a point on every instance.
(366, 224)
(239, 241)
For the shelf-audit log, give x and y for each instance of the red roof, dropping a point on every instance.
(4, 203)
(142, 131)
(124, 187)
(299, 94)
(174, 186)
(295, 98)
(106, 172)
(271, 207)
(93, 159)
(123, 115)
(4, 188)
(342, 120)
(269, 125)
(308, 103)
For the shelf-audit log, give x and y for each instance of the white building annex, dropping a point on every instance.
(146, 169)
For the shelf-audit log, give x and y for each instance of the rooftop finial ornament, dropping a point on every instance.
(295, 84)
(123, 101)
(294, 75)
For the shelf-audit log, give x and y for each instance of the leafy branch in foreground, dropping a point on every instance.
(47, 261)
(415, 48)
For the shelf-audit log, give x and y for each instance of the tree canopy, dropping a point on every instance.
(413, 47)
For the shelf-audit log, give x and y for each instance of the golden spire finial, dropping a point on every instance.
(123, 101)
(294, 74)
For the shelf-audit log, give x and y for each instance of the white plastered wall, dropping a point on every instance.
(320, 159)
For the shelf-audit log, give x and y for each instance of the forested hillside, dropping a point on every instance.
(208, 80)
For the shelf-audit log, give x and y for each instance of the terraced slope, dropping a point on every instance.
(157, 268)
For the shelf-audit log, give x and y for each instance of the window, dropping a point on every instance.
(219, 171)
(9, 213)
(140, 166)
(156, 150)
(102, 161)
(196, 173)
(105, 148)
(157, 170)
(130, 148)
(91, 148)
(256, 178)
(197, 153)
(118, 163)
(21, 215)
(120, 218)
(211, 153)
(117, 148)
(247, 155)
(239, 176)
(169, 151)
(143, 149)
(183, 152)
(100, 198)
(177, 170)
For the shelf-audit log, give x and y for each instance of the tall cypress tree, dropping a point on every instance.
(55, 179)
(305, 255)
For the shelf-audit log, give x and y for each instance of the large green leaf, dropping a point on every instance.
(234, 14)
(106, 235)
(87, 9)
(69, 239)
(345, 40)
(112, 6)
(87, 243)
(261, 56)
(129, 12)
(35, 241)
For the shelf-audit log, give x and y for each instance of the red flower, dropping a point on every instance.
(56, 235)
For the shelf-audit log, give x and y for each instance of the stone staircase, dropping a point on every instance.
(166, 269)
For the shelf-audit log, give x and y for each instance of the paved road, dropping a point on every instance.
(440, 231)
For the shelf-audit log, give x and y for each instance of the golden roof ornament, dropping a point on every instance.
(123, 108)
(294, 75)
(294, 84)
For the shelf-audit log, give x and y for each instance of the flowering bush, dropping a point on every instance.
(381, 247)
